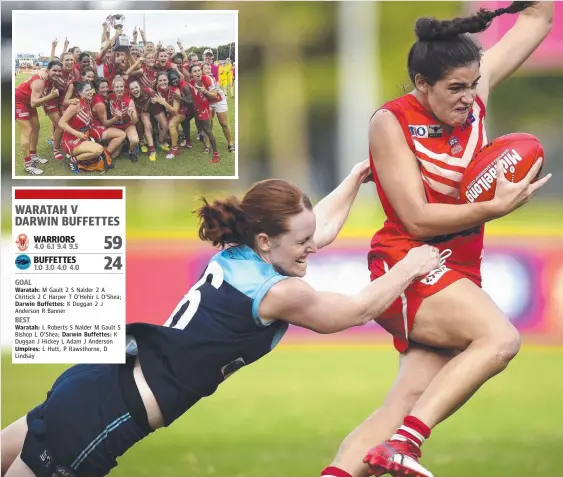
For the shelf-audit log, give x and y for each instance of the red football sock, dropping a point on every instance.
(413, 430)
(32, 153)
(335, 472)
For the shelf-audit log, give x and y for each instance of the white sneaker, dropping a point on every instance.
(36, 159)
(34, 171)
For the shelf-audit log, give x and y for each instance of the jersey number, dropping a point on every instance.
(188, 306)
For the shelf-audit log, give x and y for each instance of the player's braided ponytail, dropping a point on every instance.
(430, 29)
(224, 223)
(445, 45)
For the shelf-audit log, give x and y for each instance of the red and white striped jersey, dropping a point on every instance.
(82, 121)
(442, 158)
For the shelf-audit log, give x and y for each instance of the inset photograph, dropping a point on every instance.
(144, 94)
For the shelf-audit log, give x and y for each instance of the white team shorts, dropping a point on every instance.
(220, 107)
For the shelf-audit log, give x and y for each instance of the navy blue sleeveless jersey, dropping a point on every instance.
(213, 332)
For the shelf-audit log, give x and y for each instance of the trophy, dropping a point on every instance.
(122, 42)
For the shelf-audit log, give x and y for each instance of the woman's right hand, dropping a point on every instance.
(422, 260)
(81, 135)
(511, 195)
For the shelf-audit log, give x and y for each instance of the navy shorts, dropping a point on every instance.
(85, 423)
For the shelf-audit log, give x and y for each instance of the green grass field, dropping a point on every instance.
(286, 415)
(193, 162)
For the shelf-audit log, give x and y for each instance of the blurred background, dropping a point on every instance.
(309, 77)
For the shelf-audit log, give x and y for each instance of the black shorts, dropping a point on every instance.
(86, 422)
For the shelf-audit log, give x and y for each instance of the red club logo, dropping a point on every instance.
(22, 242)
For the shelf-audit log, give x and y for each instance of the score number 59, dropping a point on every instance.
(113, 243)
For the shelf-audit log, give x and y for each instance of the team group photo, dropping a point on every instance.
(142, 94)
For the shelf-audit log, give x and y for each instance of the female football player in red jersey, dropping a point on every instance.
(452, 336)
(55, 108)
(88, 75)
(144, 68)
(219, 108)
(203, 95)
(142, 99)
(99, 106)
(166, 96)
(28, 96)
(122, 106)
(78, 127)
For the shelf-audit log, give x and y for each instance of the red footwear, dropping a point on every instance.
(216, 158)
(397, 458)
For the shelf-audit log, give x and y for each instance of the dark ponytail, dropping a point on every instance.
(444, 45)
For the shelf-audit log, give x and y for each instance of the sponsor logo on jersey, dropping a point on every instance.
(456, 149)
(45, 458)
(23, 262)
(484, 181)
(418, 131)
(453, 141)
(22, 242)
(426, 131)
(435, 130)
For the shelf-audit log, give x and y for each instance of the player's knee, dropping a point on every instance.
(98, 150)
(509, 345)
(504, 346)
(134, 140)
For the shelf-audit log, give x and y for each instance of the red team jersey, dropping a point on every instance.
(97, 99)
(65, 80)
(159, 67)
(23, 107)
(143, 102)
(120, 104)
(201, 103)
(148, 78)
(442, 159)
(106, 69)
(82, 121)
(168, 95)
(23, 91)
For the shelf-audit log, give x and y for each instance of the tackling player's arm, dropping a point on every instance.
(296, 302)
(399, 175)
(37, 99)
(505, 57)
(332, 211)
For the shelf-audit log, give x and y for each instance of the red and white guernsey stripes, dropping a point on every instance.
(442, 157)
(82, 121)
